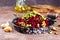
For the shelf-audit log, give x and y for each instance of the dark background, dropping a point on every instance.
(30, 2)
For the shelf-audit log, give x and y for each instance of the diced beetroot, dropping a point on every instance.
(33, 20)
(22, 20)
(33, 24)
(37, 15)
(47, 22)
(17, 24)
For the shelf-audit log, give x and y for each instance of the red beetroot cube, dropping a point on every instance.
(37, 15)
(47, 22)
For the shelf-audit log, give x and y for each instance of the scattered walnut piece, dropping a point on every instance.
(59, 25)
(56, 33)
(54, 28)
(8, 29)
(50, 32)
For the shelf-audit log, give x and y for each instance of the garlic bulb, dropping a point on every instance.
(4, 25)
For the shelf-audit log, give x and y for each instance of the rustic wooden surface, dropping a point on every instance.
(6, 14)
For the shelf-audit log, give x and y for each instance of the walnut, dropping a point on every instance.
(54, 29)
(8, 29)
(56, 33)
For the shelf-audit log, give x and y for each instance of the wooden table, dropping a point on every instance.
(6, 14)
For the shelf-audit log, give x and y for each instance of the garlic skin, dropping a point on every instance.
(4, 25)
(8, 29)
